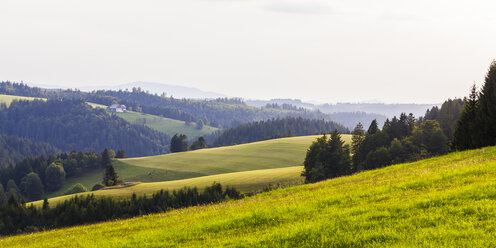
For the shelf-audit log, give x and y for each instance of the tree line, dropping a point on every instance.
(458, 125)
(16, 217)
(221, 113)
(74, 125)
(13, 149)
(31, 178)
(276, 128)
(402, 139)
(476, 126)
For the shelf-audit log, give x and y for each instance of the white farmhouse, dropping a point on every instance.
(117, 108)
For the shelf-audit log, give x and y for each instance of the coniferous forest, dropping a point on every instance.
(13, 149)
(276, 128)
(73, 125)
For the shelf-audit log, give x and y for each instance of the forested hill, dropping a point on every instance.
(276, 128)
(13, 149)
(222, 112)
(74, 125)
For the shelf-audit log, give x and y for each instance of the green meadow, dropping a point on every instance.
(438, 202)
(253, 181)
(162, 124)
(263, 155)
(7, 99)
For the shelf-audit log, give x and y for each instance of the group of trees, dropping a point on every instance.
(276, 128)
(33, 176)
(327, 158)
(476, 126)
(222, 112)
(446, 116)
(74, 125)
(13, 149)
(401, 139)
(179, 143)
(16, 217)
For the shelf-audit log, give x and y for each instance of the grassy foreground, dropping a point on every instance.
(443, 201)
(269, 154)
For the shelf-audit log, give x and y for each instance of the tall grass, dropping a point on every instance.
(438, 202)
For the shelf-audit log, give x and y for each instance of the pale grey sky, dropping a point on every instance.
(325, 50)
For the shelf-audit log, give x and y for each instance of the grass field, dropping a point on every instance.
(269, 154)
(162, 124)
(7, 99)
(438, 202)
(246, 181)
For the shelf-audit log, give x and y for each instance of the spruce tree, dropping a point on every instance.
(464, 135)
(486, 114)
(373, 128)
(327, 158)
(110, 177)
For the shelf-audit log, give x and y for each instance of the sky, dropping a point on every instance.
(419, 51)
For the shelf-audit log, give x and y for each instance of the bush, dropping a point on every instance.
(76, 188)
(97, 186)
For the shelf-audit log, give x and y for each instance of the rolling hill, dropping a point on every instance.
(253, 181)
(161, 124)
(442, 201)
(269, 154)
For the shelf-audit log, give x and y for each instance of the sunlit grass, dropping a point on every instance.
(8, 99)
(269, 154)
(438, 202)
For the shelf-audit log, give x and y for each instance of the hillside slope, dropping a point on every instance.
(253, 181)
(269, 154)
(8, 99)
(162, 124)
(443, 201)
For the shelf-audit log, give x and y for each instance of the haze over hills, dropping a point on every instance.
(380, 110)
(177, 91)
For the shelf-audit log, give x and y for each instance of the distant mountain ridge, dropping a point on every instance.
(177, 91)
(385, 109)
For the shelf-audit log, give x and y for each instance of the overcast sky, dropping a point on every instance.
(322, 50)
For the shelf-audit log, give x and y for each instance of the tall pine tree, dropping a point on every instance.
(486, 114)
(464, 135)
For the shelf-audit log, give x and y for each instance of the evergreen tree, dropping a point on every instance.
(106, 157)
(373, 128)
(46, 205)
(13, 190)
(464, 135)
(3, 196)
(357, 138)
(486, 114)
(327, 159)
(179, 143)
(110, 177)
